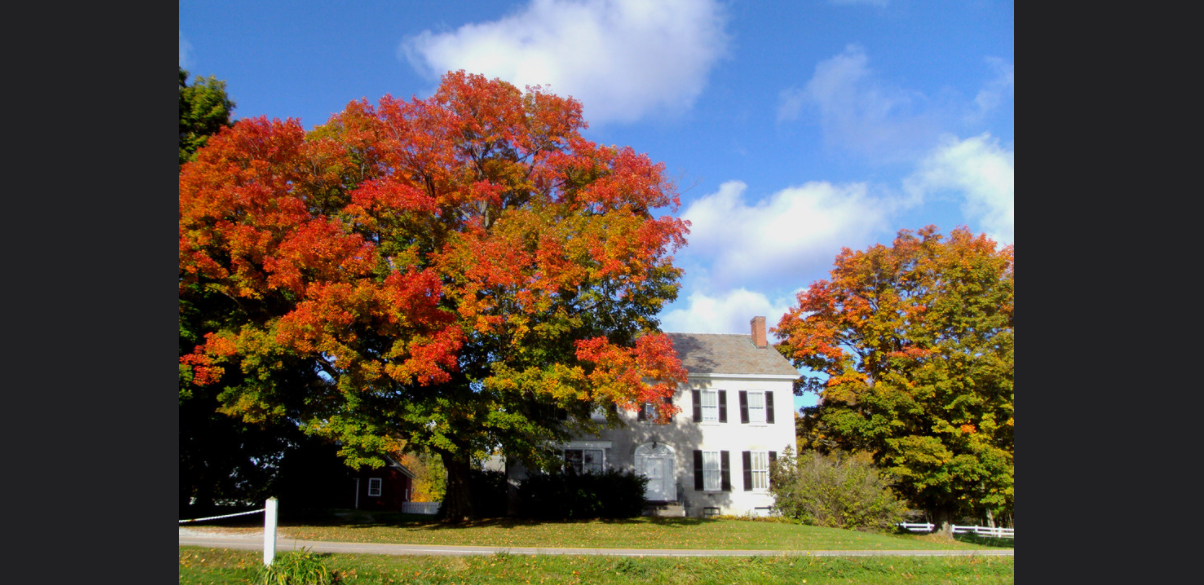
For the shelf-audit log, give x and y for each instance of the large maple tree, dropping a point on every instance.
(455, 273)
(914, 345)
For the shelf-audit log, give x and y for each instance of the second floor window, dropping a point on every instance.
(710, 406)
(756, 407)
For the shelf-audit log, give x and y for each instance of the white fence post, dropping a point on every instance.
(269, 531)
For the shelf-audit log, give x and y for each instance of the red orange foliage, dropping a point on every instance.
(439, 267)
(916, 343)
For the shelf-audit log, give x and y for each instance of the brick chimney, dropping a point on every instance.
(758, 332)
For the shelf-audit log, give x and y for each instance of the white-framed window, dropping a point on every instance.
(710, 406)
(649, 413)
(584, 460)
(374, 487)
(756, 407)
(711, 471)
(760, 469)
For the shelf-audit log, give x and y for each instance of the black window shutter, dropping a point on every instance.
(769, 407)
(725, 465)
(723, 406)
(773, 456)
(747, 455)
(643, 415)
(744, 407)
(697, 470)
(697, 406)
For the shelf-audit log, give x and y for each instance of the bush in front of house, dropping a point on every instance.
(839, 490)
(579, 496)
(488, 489)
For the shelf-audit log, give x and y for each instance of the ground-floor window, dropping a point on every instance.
(374, 487)
(756, 469)
(583, 460)
(711, 471)
(760, 470)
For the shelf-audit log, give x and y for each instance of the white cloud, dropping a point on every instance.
(728, 312)
(859, 112)
(981, 172)
(622, 59)
(1003, 86)
(798, 230)
(185, 51)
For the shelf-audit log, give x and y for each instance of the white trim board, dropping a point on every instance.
(745, 376)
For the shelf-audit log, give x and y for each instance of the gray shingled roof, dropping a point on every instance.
(727, 353)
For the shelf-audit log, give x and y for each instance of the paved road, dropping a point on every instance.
(255, 542)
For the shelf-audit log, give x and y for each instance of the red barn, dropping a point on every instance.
(384, 489)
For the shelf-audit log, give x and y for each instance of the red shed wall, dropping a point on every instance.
(395, 489)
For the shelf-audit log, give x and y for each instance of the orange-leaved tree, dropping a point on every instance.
(917, 345)
(451, 272)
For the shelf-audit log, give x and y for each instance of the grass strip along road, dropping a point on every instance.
(221, 566)
(635, 533)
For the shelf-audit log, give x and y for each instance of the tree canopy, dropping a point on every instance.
(448, 273)
(204, 109)
(917, 343)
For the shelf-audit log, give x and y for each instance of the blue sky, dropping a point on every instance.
(791, 128)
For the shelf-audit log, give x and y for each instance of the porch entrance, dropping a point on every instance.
(657, 463)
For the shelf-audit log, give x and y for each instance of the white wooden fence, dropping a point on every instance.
(979, 530)
(420, 507)
(985, 531)
(271, 512)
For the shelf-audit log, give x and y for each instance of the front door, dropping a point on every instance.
(656, 464)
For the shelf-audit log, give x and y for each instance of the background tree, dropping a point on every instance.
(430, 478)
(221, 458)
(204, 109)
(447, 273)
(917, 342)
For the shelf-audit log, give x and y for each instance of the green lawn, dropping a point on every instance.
(219, 566)
(660, 533)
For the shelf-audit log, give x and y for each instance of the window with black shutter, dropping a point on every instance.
(697, 405)
(769, 407)
(723, 406)
(744, 407)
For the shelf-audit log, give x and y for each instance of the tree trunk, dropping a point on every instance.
(457, 500)
(990, 518)
(943, 522)
(512, 506)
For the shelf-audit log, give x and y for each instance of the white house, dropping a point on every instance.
(737, 414)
